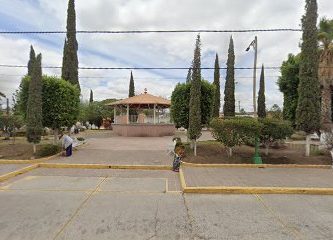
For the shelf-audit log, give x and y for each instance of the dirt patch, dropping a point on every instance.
(215, 153)
(17, 151)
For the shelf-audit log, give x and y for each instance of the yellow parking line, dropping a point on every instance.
(79, 208)
(286, 226)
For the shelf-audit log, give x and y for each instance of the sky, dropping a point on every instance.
(153, 50)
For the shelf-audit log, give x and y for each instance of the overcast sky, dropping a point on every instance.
(152, 50)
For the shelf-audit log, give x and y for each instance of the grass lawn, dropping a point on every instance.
(213, 152)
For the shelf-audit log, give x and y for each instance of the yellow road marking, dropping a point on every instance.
(79, 208)
(297, 233)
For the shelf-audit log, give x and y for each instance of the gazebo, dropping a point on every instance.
(144, 115)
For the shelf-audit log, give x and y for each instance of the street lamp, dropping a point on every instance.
(254, 44)
(257, 159)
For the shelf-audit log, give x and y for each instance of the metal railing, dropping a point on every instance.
(143, 119)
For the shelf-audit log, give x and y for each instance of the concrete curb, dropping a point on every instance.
(248, 190)
(105, 166)
(256, 165)
(17, 172)
(39, 160)
(258, 190)
(182, 178)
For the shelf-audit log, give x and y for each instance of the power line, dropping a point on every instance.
(158, 31)
(126, 77)
(135, 68)
(149, 68)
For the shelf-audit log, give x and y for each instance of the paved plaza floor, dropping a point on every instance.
(105, 148)
(64, 203)
(258, 177)
(41, 206)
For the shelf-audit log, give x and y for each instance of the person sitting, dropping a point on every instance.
(179, 154)
(67, 144)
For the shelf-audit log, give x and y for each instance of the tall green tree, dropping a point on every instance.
(60, 98)
(308, 109)
(34, 106)
(217, 95)
(131, 89)
(288, 85)
(180, 103)
(31, 60)
(189, 75)
(194, 131)
(70, 63)
(325, 37)
(325, 34)
(91, 98)
(261, 95)
(229, 90)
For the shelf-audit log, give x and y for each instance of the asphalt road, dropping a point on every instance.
(65, 207)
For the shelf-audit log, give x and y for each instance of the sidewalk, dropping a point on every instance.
(258, 177)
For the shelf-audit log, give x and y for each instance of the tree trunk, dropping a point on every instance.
(34, 148)
(230, 152)
(307, 145)
(192, 144)
(195, 147)
(55, 132)
(326, 103)
(266, 149)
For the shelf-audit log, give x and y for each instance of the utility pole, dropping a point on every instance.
(255, 77)
(257, 159)
(239, 106)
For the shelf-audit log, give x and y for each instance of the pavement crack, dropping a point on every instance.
(189, 217)
(155, 220)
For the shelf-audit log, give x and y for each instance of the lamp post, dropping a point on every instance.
(257, 159)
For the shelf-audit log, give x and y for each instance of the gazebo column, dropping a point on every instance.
(127, 114)
(154, 113)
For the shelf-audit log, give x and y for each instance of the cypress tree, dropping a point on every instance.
(91, 99)
(189, 75)
(34, 106)
(217, 95)
(70, 63)
(194, 131)
(229, 90)
(308, 108)
(131, 90)
(261, 95)
(31, 59)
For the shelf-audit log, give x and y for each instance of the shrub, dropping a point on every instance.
(80, 139)
(273, 130)
(234, 131)
(48, 150)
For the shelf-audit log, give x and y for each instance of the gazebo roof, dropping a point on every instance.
(143, 99)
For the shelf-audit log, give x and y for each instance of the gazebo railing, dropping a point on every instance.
(143, 119)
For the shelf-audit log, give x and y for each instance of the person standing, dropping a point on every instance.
(67, 144)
